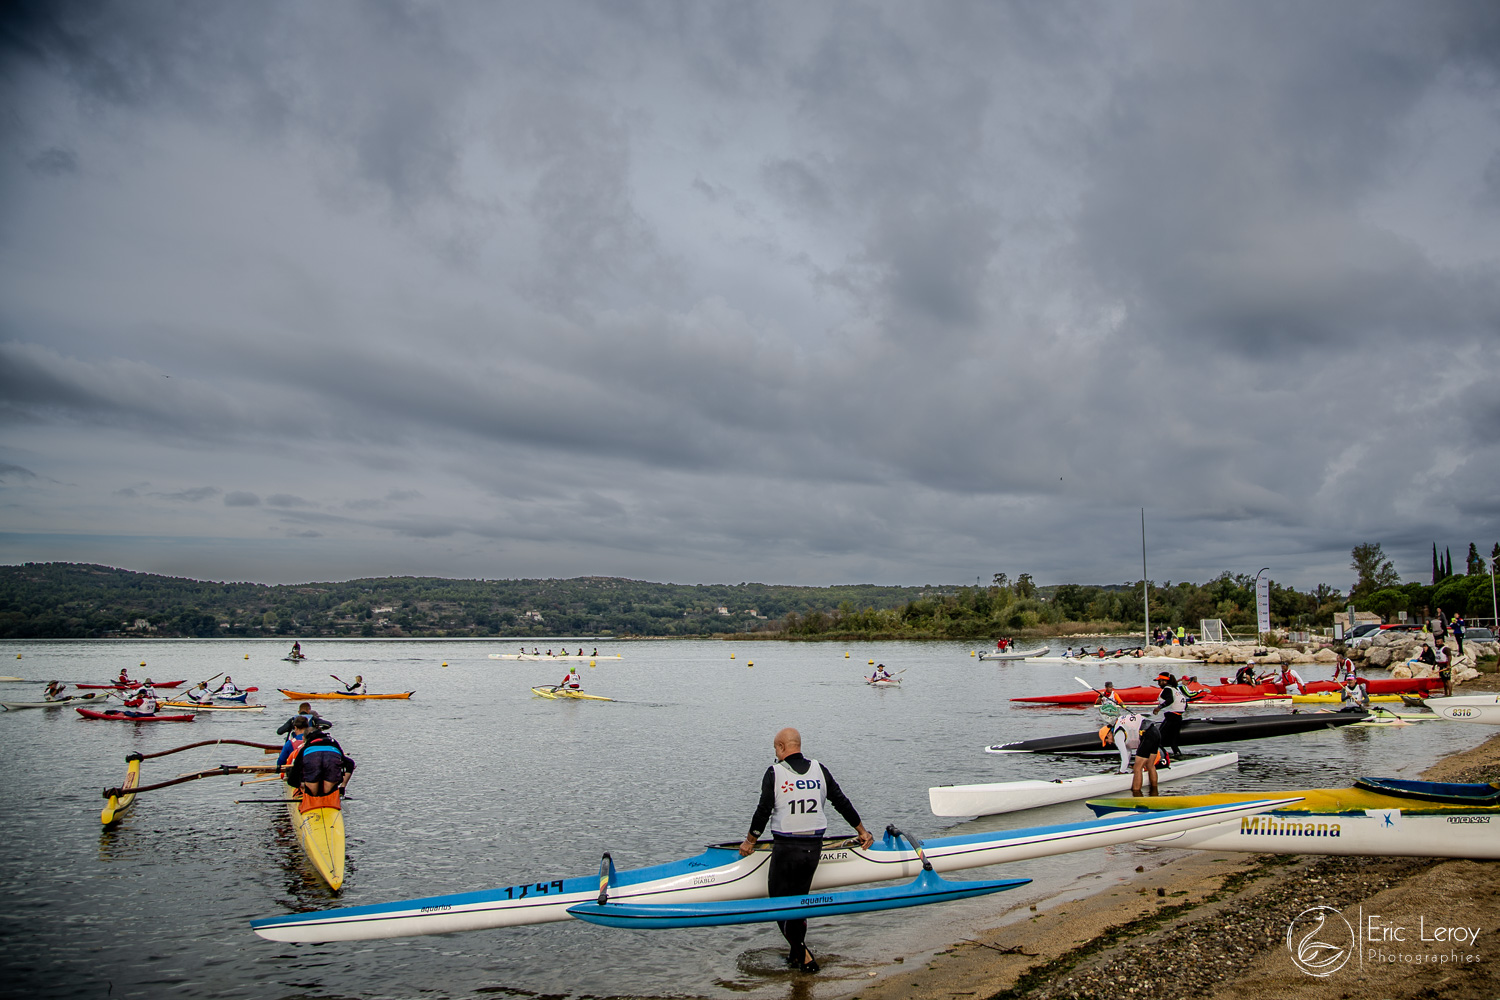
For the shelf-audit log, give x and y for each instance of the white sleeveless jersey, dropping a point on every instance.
(801, 800)
(1130, 724)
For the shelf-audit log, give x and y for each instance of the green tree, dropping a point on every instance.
(1475, 564)
(1024, 587)
(1387, 602)
(1373, 569)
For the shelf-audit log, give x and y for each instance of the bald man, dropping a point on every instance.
(794, 797)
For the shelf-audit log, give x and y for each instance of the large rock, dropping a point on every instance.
(1379, 656)
(1401, 670)
(1466, 674)
(1325, 655)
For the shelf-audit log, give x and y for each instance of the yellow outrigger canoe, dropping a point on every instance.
(320, 832)
(553, 692)
(119, 803)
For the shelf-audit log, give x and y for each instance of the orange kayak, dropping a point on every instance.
(340, 694)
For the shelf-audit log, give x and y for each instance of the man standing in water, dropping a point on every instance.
(794, 797)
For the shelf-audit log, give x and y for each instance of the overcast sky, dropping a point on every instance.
(780, 292)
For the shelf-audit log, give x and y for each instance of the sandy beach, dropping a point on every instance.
(1212, 924)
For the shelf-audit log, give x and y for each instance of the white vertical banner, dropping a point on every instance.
(1263, 604)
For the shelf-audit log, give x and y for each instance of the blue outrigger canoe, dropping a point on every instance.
(721, 874)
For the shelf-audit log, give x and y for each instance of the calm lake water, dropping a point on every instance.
(477, 783)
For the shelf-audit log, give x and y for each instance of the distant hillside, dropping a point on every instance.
(70, 600)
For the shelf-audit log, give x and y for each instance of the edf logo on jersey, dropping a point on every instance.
(801, 784)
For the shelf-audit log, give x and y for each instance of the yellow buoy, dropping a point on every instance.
(749, 663)
(731, 656)
(18, 656)
(445, 663)
(846, 656)
(143, 663)
(872, 663)
(247, 656)
(971, 652)
(591, 667)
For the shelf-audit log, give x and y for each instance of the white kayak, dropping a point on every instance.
(1013, 796)
(719, 873)
(543, 656)
(1481, 708)
(1012, 654)
(74, 700)
(883, 682)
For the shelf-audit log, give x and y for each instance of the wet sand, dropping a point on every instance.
(1212, 924)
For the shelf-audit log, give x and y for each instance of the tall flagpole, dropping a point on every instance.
(1145, 587)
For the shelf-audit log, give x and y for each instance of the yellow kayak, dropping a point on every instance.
(320, 831)
(117, 804)
(552, 692)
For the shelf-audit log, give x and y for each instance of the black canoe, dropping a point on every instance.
(1195, 732)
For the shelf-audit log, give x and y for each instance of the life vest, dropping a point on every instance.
(1130, 724)
(801, 800)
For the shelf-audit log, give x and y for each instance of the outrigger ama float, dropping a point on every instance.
(656, 896)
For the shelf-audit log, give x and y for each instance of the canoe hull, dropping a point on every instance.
(195, 707)
(1195, 732)
(1020, 654)
(1350, 821)
(118, 805)
(1013, 796)
(340, 696)
(719, 874)
(547, 692)
(928, 887)
(320, 834)
(1483, 709)
(128, 687)
(121, 717)
(544, 658)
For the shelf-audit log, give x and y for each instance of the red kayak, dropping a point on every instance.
(129, 687)
(1225, 694)
(114, 716)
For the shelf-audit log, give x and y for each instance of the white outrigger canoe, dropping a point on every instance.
(1012, 654)
(1381, 817)
(720, 873)
(1013, 796)
(1481, 708)
(564, 656)
(1150, 661)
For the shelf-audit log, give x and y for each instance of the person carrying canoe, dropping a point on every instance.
(318, 766)
(228, 689)
(794, 796)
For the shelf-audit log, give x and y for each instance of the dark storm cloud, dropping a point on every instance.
(195, 495)
(718, 291)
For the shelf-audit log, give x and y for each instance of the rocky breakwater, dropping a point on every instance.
(1398, 650)
(1229, 654)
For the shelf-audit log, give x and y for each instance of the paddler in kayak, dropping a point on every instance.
(53, 691)
(356, 686)
(1291, 680)
(228, 689)
(142, 704)
(880, 674)
(305, 712)
(571, 681)
(794, 797)
(318, 766)
(124, 680)
(201, 695)
(1110, 706)
(1355, 698)
(1246, 674)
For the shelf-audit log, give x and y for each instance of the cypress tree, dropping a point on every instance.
(1447, 562)
(1435, 576)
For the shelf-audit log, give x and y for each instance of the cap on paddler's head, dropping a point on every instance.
(1163, 676)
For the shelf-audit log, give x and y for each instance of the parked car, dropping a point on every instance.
(1479, 635)
(1361, 632)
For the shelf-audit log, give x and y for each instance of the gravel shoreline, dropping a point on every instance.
(1214, 925)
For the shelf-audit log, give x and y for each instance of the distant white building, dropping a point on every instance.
(535, 616)
(721, 609)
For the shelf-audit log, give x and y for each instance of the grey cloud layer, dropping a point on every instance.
(857, 292)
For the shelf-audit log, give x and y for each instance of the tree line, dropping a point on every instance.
(72, 600)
